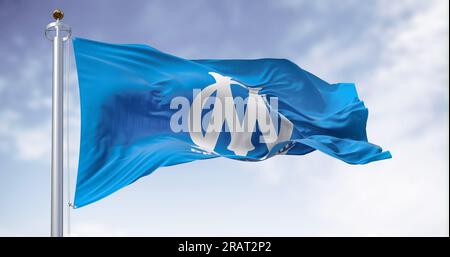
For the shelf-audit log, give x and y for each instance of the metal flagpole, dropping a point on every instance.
(57, 32)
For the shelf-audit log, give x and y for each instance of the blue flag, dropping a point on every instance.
(142, 109)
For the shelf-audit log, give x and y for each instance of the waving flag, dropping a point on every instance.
(142, 109)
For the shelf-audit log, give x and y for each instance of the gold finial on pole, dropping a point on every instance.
(58, 14)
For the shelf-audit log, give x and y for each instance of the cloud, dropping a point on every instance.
(405, 86)
(2, 84)
(22, 142)
(25, 125)
(96, 229)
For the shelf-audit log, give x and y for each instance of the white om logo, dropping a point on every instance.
(224, 112)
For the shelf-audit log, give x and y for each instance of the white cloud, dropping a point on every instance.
(406, 91)
(407, 95)
(2, 84)
(33, 143)
(23, 142)
(39, 101)
(95, 229)
(6, 119)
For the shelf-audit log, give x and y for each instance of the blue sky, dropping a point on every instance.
(395, 51)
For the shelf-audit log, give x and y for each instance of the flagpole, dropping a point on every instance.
(58, 33)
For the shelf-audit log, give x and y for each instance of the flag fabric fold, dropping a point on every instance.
(142, 109)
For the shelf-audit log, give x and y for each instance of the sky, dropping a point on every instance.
(395, 51)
